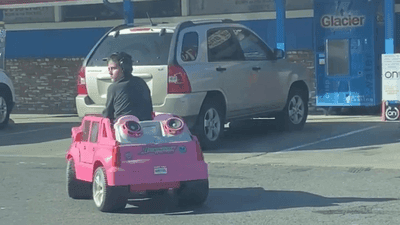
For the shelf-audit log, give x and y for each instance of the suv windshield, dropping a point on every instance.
(145, 48)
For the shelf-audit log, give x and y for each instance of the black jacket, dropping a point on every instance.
(129, 96)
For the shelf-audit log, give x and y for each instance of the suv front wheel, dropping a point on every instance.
(294, 115)
(210, 125)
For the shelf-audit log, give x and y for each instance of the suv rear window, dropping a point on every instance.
(145, 48)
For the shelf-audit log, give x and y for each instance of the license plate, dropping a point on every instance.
(160, 170)
(158, 150)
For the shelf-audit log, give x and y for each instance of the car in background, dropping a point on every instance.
(209, 72)
(7, 98)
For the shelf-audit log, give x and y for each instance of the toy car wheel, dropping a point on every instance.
(193, 192)
(210, 126)
(107, 198)
(76, 189)
(294, 115)
(4, 110)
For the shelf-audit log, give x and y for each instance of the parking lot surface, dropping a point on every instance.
(338, 170)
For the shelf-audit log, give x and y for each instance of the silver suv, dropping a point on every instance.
(208, 72)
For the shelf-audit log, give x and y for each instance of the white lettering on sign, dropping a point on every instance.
(329, 21)
(392, 74)
(390, 77)
(392, 113)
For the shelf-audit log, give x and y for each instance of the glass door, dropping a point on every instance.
(338, 60)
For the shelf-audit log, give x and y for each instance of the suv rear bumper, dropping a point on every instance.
(84, 105)
(186, 106)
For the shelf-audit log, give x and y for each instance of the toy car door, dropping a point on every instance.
(86, 147)
(263, 77)
(91, 144)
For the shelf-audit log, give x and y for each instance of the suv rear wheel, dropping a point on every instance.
(210, 125)
(294, 115)
(194, 192)
(107, 198)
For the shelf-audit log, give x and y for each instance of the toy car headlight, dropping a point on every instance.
(132, 128)
(173, 125)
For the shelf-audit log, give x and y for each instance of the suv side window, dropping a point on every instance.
(223, 46)
(95, 132)
(253, 48)
(85, 132)
(190, 46)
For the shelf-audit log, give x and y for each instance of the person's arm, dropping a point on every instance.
(147, 94)
(144, 90)
(108, 112)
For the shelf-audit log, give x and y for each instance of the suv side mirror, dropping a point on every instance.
(279, 53)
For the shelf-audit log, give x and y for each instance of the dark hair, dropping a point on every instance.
(124, 60)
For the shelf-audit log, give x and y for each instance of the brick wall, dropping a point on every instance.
(48, 86)
(45, 85)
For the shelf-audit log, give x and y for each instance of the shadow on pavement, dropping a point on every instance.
(33, 133)
(262, 136)
(233, 200)
(247, 136)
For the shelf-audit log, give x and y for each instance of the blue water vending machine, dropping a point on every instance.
(349, 41)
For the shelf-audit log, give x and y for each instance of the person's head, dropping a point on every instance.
(119, 65)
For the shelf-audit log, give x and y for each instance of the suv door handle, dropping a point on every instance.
(256, 68)
(220, 69)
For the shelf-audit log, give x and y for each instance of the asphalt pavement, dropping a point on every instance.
(337, 170)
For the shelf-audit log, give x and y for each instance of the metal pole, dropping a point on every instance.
(128, 11)
(280, 24)
(389, 26)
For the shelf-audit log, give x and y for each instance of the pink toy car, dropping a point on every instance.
(109, 162)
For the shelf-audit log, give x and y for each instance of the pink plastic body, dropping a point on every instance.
(142, 166)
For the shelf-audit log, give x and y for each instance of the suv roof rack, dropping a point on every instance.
(190, 23)
(199, 21)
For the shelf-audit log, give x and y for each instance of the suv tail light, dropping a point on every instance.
(116, 157)
(81, 82)
(178, 81)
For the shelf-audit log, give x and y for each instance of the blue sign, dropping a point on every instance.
(349, 41)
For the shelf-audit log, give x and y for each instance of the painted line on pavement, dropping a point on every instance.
(327, 139)
(313, 143)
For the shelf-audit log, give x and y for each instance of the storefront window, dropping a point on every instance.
(337, 57)
(212, 7)
(28, 15)
(93, 12)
